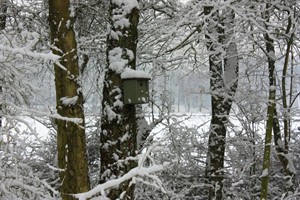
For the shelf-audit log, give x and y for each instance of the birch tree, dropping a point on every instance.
(119, 124)
(71, 143)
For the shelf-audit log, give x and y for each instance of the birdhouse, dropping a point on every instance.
(135, 86)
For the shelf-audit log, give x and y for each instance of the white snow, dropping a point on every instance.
(131, 73)
(272, 55)
(124, 137)
(114, 35)
(116, 62)
(26, 52)
(37, 113)
(121, 22)
(137, 171)
(111, 115)
(265, 173)
(130, 54)
(237, 183)
(118, 103)
(127, 5)
(273, 88)
(68, 101)
(120, 15)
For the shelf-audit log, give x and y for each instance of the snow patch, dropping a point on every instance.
(120, 14)
(131, 73)
(111, 115)
(272, 87)
(124, 138)
(265, 173)
(68, 101)
(272, 55)
(127, 5)
(121, 22)
(117, 63)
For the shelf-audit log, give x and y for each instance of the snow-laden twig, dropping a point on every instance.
(138, 171)
(26, 52)
(45, 114)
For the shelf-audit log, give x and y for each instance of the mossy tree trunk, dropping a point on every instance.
(282, 144)
(223, 83)
(270, 51)
(71, 141)
(119, 123)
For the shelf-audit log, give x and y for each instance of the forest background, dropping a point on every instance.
(223, 117)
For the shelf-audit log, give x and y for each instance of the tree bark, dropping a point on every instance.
(71, 141)
(223, 83)
(119, 122)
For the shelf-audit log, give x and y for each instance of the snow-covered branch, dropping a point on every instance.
(138, 171)
(26, 52)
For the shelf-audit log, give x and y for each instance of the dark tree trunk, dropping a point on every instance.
(119, 123)
(223, 84)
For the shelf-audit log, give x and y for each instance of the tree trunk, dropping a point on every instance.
(270, 50)
(223, 83)
(71, 144)
(3, 10)
(282, 145)
(119, 123)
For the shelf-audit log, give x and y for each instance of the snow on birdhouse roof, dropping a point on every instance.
(134, 74)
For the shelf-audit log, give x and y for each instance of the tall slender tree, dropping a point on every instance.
(282, 144)
(71, 142)
(223, 67)
(270, 51)
(273, 124)
(119, 123)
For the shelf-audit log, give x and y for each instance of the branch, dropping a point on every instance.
(137, 171)
(26, 52)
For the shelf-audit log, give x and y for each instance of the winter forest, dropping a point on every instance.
(218, 115)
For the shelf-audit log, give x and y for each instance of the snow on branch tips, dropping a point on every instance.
(23, 51)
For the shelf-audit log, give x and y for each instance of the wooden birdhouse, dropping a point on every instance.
(135, 86)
